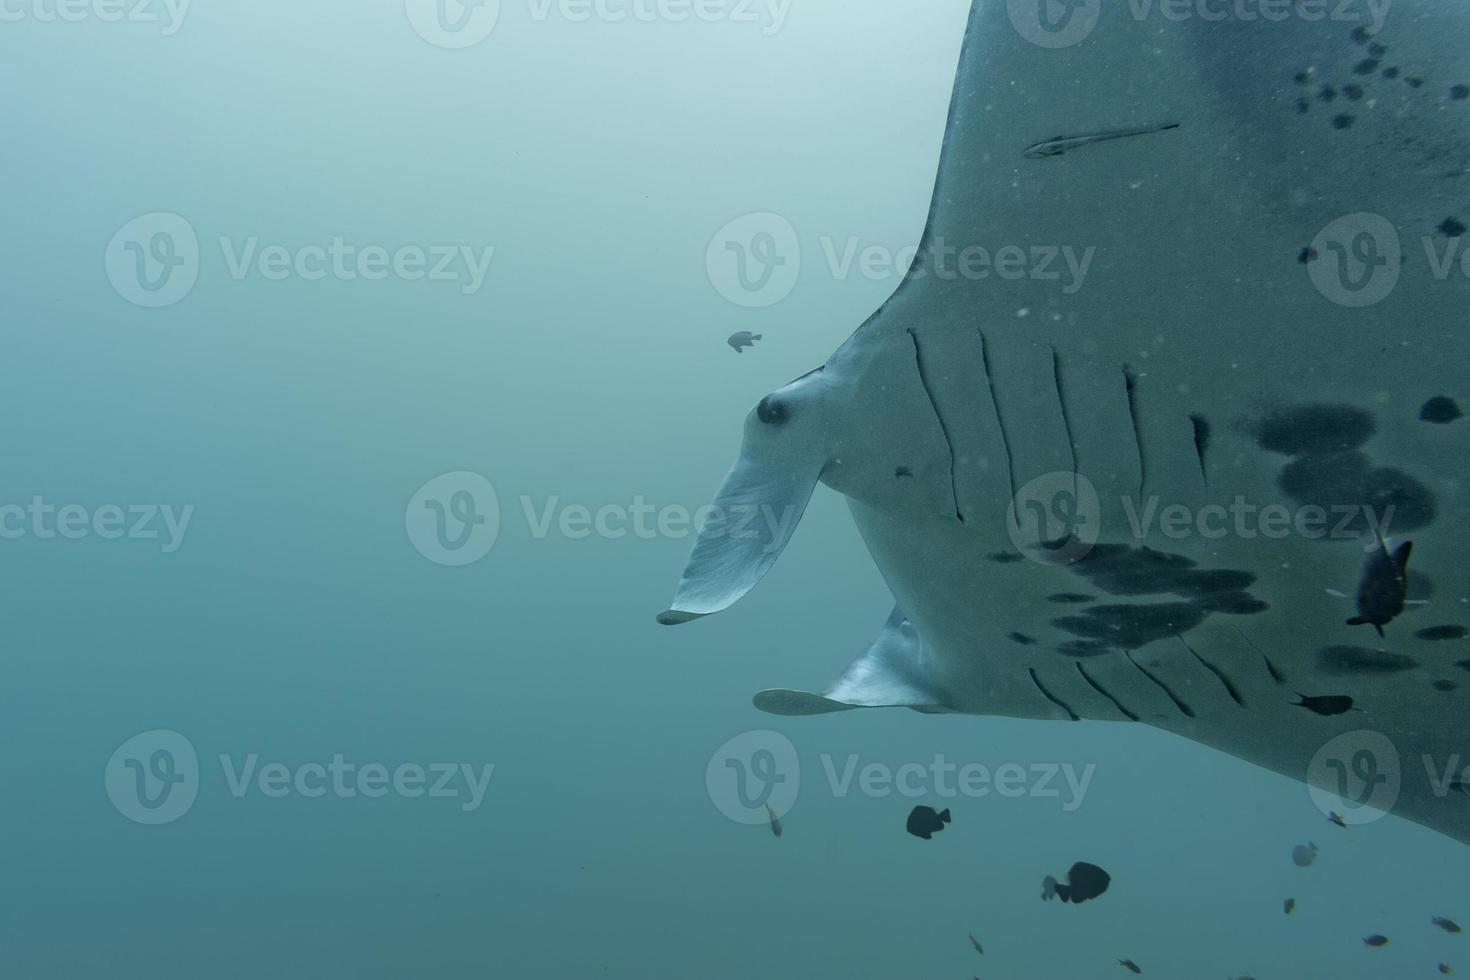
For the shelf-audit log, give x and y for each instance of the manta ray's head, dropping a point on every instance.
(863, 424)
(786, 446)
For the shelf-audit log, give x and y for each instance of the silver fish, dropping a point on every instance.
(1061, 144)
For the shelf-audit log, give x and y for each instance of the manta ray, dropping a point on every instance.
(1148, 499)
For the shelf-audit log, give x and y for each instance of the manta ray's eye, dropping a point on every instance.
(770, 411)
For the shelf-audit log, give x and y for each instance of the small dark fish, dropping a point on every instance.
(1448, 925)
(1084, 881)
(1336, 818)
(775, 820)
(902, 472)
(1446, 969)
(1376, 941)
(1061, 144)
(1383, 586)
(1441, 410)
(1289, 905)
(976, 943)
(743, 339)
(1131, 966)
(1331, 704)
(925, 823)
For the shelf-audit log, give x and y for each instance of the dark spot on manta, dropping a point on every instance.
(1415, 82)
(1441, 410)
(1133, 626)
(1391, 72)
(1214, 580)
(1451, 227)
(1004, 557)
(1343, 121)
(1327, 93)
(1447, 632)
(1302, 77)
(1123, 570)
(1366, 67)
(1316, 428)
(1361, 35)
(1344, 481)
(1023, 639)
(1233, 604)
(899, 472)
(1377, 50)
(1352, 92)
(1458, 92)
(1361, 660)
(1069, 598)
(1307, 254)
(1445, 686)
(1463, 664)
(772, 411)
(1302, 105)
(1084, 648)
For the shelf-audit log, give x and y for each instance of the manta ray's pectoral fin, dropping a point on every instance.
(889, 674)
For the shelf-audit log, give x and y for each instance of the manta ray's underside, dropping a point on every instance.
(1149, 498)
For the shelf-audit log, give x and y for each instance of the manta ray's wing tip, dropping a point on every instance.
(781, 701)
(677, 617)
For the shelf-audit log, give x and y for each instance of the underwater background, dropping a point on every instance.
(306, 512)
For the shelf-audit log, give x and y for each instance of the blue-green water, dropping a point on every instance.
(295, 619)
